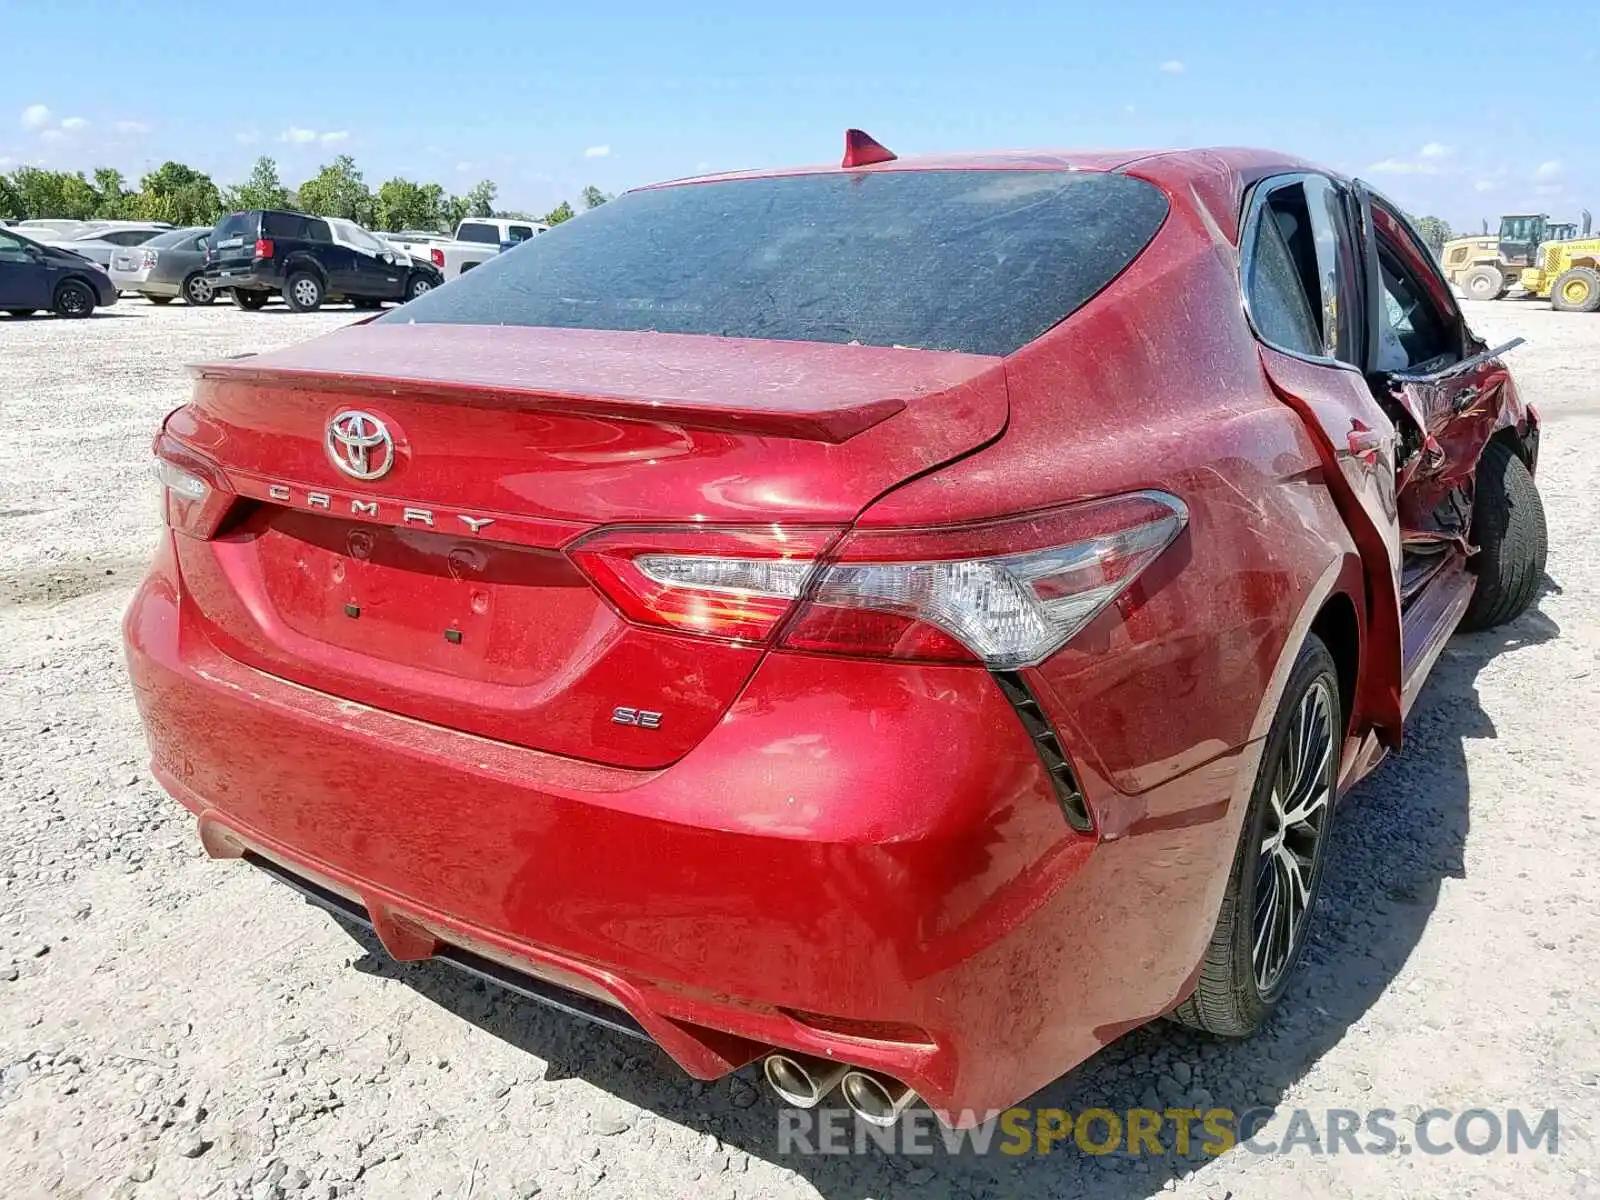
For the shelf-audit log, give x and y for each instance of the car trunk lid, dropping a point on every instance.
(439, 588)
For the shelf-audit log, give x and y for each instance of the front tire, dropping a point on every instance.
(73, 299)
(249, 301)
(1577, 290)
(197, 290)
(1277, 868)
(1509, 530)
(303, 292)
(159, 299)
(1484, 283)
(418, 285)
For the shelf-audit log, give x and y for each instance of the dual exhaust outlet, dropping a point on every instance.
(805, 1082)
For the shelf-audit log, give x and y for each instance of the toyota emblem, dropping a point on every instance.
(360, 445)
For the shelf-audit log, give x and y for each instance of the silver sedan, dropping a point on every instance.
(167, 266)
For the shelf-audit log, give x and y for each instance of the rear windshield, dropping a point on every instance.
(237, 228)
(978, 261)
(165, 241)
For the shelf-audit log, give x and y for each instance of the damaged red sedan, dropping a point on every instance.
(907, 623)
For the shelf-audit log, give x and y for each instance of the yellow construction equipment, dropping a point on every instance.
(1568, 273)
(1484, 267)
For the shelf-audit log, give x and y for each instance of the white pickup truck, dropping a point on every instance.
(476, 241)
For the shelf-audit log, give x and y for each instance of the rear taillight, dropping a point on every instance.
(1004, 593)
(149, 259)
(436, 256)
(195, 495)
(1009, 593)
(264, 247)
(736, 584)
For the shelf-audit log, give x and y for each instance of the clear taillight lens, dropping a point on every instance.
(1004, 593)
(149, 259)
(926, 595)
(180, 482)
(195, 496)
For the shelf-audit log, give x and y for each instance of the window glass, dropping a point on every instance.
(1275, 288)
(171, 239)
(477, 231)
(520, 233)
(14, 250)
(237, 228)
(971, 260)
(1338, 270)
(1412, 335)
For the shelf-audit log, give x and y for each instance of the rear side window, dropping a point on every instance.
(478, 232)
(295, 227)
(520, 233)
(172, 238)
(977, 261)
(1302, 271)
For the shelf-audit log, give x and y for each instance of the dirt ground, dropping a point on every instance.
(175, 1027)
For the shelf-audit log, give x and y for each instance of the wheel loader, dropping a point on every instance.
(1568, 273)
(1486, 267)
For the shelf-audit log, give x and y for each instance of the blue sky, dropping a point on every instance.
(1451, 108)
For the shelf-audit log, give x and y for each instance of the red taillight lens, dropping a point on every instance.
(436, 255)
(1009, 593)
(264, 247)
(737, 584)
(195, 495)
(149, 259)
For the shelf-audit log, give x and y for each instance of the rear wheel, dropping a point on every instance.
(197, 290)
(159, 299)
(303, 292)
(1484, 283)
(251, 301)
(1277, 869)
(1577, 290)
(73, 299)
(1508, 527)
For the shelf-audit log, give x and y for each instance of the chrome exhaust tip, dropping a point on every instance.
(876, 1099)
(801, 1081)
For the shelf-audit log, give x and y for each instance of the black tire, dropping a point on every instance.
(365, 304)
(1231, 999)
(21, 312)
(303, 292)
(1509, 531)
(1484, 282)
(197, 290)
(250, 301)
(1577, 290)
(159, 299)
(418, 285)
(73, 298)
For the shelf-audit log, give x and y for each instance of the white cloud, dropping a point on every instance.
(1172, 67)
(297, 135)
(36, 116)
(247, 139)
(133, 127)
(1437, 150)
(463, 166)
(75, 123)
(597, 152)
(1400, 166)
(1553, 169)
(1486, 185)
(51, 135)
(335, 135)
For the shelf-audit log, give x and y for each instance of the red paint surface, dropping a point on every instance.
(871, 842)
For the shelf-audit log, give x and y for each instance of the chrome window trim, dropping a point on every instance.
(1255, 200)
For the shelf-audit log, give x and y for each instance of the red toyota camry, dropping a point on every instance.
(906, 622)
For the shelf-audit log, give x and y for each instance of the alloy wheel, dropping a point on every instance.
(1292, 837)
(200, 291)
(305, 291)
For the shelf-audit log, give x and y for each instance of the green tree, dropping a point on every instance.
(561, 212)
(1435, 232)
(593, 197)
(480, 200)
(262, 190)
(402, 204)
(115, 201)
(338, 191)
(54, 194)
(10, 201)
(180, 194)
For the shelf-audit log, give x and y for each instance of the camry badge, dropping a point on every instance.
(359, 445)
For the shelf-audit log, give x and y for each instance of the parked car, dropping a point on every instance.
(476, 241)
(35, 276)
(44, 228)
(169, 265)
(98, 244)
(310, 260)
(909, 623)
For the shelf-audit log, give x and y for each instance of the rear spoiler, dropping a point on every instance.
(814, 418)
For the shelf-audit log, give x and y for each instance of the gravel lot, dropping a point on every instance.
(174, 1027)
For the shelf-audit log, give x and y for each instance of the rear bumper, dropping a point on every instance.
(880, 874)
